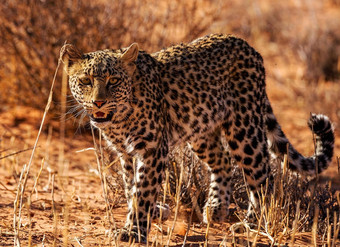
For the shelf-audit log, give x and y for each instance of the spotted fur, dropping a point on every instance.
(209, 93)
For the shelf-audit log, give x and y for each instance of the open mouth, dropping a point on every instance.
(101, 117)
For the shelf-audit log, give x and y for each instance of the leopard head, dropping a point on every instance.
(101, 81)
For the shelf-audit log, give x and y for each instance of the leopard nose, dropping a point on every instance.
(99, 103)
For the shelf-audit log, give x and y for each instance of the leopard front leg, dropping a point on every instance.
(143, 178)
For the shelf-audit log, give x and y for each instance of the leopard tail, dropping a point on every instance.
(279, 145)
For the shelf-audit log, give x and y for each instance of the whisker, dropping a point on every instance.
(82, 117)
(74, 108)
(80, 113)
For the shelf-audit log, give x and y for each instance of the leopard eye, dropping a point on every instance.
(86, 81)
(113, 81)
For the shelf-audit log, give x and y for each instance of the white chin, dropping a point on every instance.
(100, 125)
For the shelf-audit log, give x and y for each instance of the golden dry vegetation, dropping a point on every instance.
(60, 191)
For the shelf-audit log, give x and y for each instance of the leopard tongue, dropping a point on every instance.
(99, 114)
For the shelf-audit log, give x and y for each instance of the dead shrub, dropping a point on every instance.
(320, 52)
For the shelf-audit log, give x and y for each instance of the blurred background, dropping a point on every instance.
(299, 40)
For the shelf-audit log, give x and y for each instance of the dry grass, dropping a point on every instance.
(57, 197)
(294, 205)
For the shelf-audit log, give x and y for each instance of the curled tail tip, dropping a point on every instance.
(324, 131)
(320, 124)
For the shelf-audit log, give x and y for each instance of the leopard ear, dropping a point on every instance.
(70, 54)
(131, 54)
(129, 58)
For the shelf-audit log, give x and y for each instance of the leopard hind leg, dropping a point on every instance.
(210, 149)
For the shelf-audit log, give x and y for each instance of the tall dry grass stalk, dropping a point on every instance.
(63, 96)
(26, 169)
(17, 208)
(55, 216)
(100, 164)
(178, 192)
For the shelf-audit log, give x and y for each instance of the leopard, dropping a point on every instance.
(209, 94)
